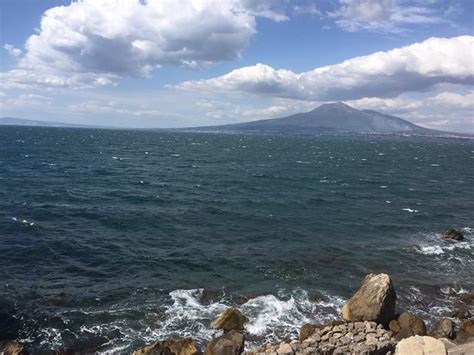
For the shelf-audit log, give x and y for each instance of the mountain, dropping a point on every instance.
(11, 121)
(334, 118)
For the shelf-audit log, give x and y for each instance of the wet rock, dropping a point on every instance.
(231, 343)
(468, 298)
(461, 313)
(230, 319)
(373, 301)
(182, 346)
(452, 234)
(467, 325)
(420, 345)
(12, 347)
(209, 296)
(307, 330)
(444, 329)
(242, 299)
(416, 324)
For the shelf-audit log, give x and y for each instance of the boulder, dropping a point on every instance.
(12, 347)
(468, 297)
(420, 345)
(467, 325)
(373, 301)
(394, 326)
(182, 346)
(230, 319)
(244, 298)
(404, 333)
(452, 234)
(461, 313)
(208, 296)
(413, 322)
(444, 328)
(231, 343)
(307, 330)
(285, 349)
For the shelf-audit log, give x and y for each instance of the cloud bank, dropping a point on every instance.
(416, 67)
(94, 42)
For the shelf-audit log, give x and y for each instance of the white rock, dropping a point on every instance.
(418, 345)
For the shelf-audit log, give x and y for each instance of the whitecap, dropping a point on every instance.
(431, 250)
(410, 210)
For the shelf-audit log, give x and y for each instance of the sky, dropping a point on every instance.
(182, 63)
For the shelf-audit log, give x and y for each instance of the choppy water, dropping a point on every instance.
(107, 238)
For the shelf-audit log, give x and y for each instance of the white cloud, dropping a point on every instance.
(394, 106)
(25, 101)
(454, 100)
(416, 67)
(386, 15)
(113, 107)
(12, 51)
(95, 42)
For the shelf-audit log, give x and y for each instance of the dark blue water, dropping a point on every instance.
(107, 238)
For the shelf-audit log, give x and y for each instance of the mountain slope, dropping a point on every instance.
(329, 118)
(11, 121)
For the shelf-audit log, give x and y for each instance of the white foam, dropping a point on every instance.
(431, 250)
(410, 210)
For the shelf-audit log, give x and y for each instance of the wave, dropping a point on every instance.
(434, 244)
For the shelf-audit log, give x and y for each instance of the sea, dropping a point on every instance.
(112, 239)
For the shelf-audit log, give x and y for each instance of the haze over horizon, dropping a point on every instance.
(144, 64)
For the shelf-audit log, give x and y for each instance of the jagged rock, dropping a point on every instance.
(182, 346)
(416, 324)
(231, 343)
(444, 329)
(453, 234)
(461, 313)
(467, 325)
(373, 301)
(420, 345)
(230, 319)
(307, 330)
(12, 347)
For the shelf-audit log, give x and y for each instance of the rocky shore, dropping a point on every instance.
(369, 324)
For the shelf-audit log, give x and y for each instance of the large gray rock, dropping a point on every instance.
(418, 345)
(373, 301)
(182, 346)
(230, 319)
(231, 343)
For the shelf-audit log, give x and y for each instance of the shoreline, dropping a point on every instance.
(314, 337)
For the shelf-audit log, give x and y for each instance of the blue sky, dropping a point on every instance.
(163, 63)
